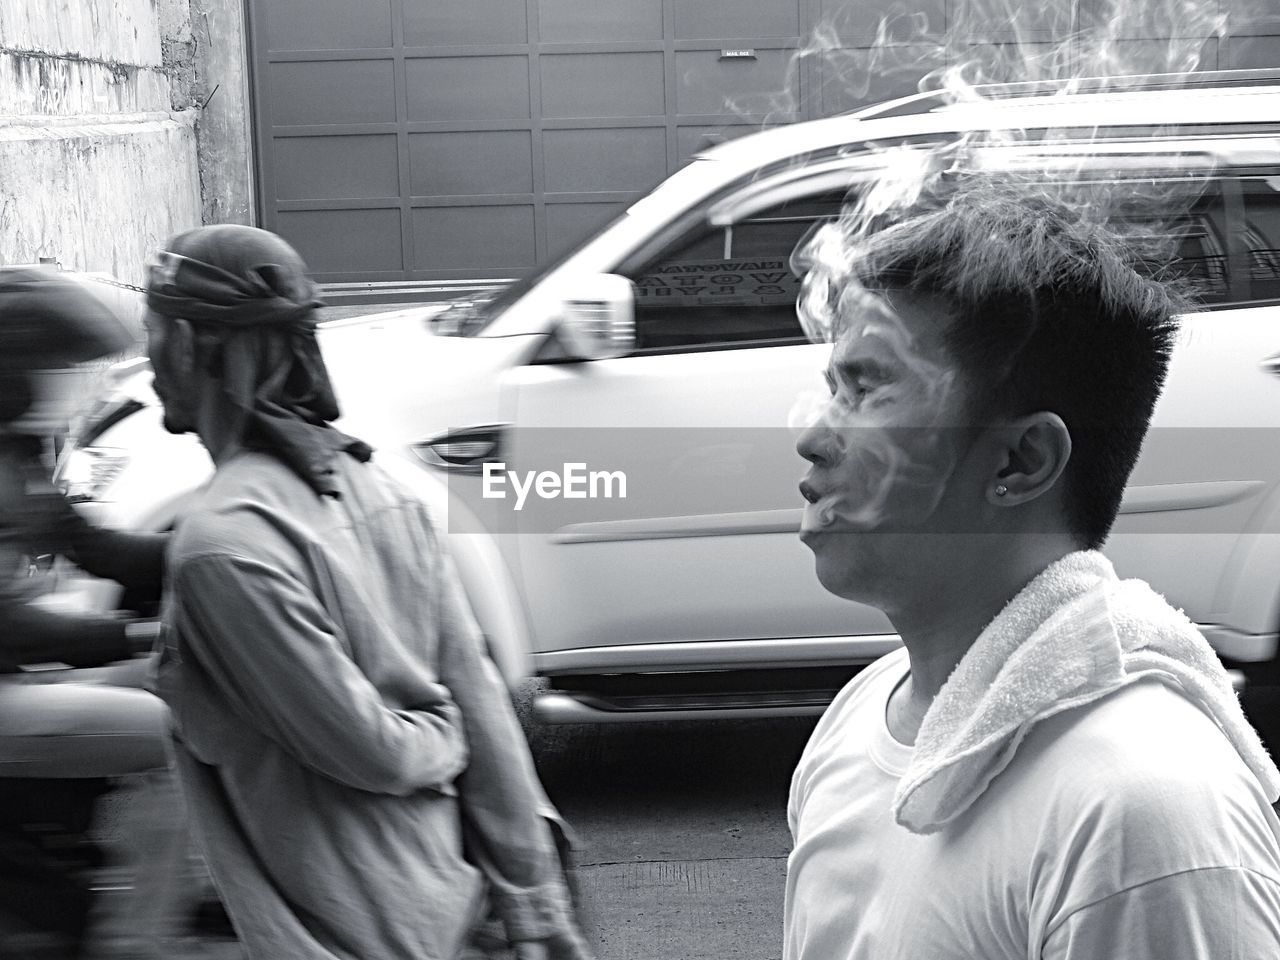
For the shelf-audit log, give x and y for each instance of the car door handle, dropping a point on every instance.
(1272, 365)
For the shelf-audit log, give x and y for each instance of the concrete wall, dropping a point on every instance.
(99, 128)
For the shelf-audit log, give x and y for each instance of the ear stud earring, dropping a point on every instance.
(1001, 489)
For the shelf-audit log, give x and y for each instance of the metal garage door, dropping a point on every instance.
(419, 140)
(426, 139)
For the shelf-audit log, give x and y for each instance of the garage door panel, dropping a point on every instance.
(569, 223)
(707, 84)
(857, 24)
(1162, 56)
(337, 168)
(1045, 21)
(344, 241)
(1251, 53)
(692, 140)
(333, 91)
(433, 22)
(471, 162)
(631, 158)
(468, 88)
(1177, 56)
(407, 139)
(714, 19)
(499, 238)
(850, 79)
(333, 25)
(602, 85)
(997, 62)
(565, 21)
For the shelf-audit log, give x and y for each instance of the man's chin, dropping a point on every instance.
(838, 563)
(860, 566)
(848, 582)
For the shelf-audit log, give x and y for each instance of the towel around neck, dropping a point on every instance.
(1076, 633)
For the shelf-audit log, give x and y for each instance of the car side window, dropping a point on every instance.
(1261, 197)
(725, 287)
(1189, 232)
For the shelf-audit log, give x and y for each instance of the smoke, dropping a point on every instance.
(1068, 45)
(1058, 51)
(1063, 45)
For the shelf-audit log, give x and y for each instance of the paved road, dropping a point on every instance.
(683, 831)
(684, 828)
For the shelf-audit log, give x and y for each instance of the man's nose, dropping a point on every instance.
(815, 443)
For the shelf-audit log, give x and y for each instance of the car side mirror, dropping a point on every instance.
(599, 318)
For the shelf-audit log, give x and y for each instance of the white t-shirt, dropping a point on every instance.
(1128, 829)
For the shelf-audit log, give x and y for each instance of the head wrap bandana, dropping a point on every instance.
(249, 289)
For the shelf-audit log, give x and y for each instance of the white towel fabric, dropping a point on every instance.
(1074, 634)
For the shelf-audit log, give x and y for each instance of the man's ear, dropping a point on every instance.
(1035, 451)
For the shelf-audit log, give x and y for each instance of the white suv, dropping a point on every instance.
(691, 595)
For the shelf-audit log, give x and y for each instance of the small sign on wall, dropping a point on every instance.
(745, 54)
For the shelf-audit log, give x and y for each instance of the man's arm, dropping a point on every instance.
(1205, 914)
(272, 650)
(508, 828)
(29, 634)
(32, 634)
(133, 559)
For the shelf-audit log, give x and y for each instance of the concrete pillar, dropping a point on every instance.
(223, 127)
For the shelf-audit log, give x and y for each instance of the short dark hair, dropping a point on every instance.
(1052, 312)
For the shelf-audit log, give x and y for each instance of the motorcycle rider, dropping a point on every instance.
(63, 732)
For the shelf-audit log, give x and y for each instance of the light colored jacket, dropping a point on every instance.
(341, 730)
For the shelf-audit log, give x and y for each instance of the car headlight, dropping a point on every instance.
(88, 472)
(463, 451)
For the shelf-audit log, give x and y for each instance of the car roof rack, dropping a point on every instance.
(918, 103)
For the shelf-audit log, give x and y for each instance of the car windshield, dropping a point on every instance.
(476, 312)
(469, 316)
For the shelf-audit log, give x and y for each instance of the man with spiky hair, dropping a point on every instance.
(351, 757)
(1055, 764)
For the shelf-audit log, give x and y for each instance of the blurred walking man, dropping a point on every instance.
(1055, 765)
(339, 728)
